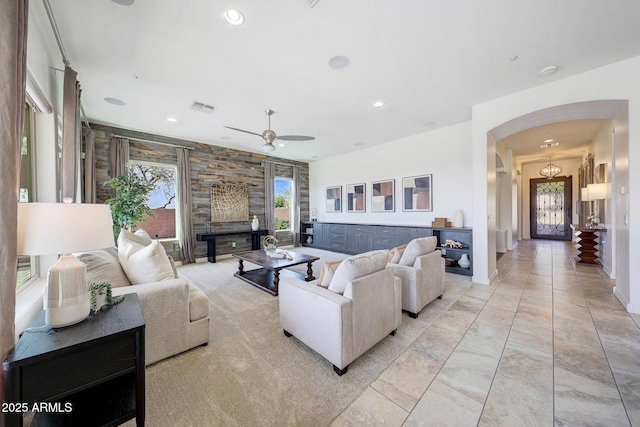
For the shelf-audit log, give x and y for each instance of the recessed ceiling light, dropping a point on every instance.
(378, 104)
(225, 137)
(513, 57)
(123, 2)
(338, 62)
(281, 144)
(548, 70)
(115, 101)
(314, 157)
(234, 17)
(548, 140)
(358, 144)
(172, 119)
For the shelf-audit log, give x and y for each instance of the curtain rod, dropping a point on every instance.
(63, 52)
(152, 142)
(281, 164)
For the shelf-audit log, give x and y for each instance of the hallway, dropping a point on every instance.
(547, 343)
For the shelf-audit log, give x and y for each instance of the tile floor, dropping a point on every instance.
(547, 343)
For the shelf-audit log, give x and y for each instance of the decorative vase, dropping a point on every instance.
(464, 261)
(458, 219)
(309, 240)
(255, 224)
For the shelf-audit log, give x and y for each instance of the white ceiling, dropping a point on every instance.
(430, 61)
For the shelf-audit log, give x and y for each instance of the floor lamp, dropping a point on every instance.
(64, 228)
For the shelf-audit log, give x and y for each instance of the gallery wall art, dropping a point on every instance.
(383, 196)
(229, 203)
(356, 200)
(417, 194)
(334, 199)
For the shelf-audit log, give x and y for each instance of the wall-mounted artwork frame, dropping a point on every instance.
(383, 197)
(417, 193)
(229, 203)
(356, 197)
(334, 199)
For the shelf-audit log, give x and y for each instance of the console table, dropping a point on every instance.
(90, 373)
(210, 238)
(587, 242)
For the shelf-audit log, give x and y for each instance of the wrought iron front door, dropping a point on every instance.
(551, 208)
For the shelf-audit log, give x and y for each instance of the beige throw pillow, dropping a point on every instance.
(416, 248)
(326, 273)
(396, 253)
(357, 266)
(103, 266)
(143, 263)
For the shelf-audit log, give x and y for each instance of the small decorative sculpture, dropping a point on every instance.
(451, 244)
(270, 244)
(255, 224)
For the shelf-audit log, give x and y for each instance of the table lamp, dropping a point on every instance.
(64, 228)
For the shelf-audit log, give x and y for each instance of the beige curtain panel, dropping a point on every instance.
(70, 134)
(118, 156)
(89, 167)
(185, 210)
(13, 66)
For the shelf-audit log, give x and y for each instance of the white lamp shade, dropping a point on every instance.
(599, 191)
(63, 228)
(584, 194)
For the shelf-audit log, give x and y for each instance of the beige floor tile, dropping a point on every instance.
(496, 317)
(405, 381)
(527, 366)
(511, 403)
(485, 339)
(456, 321)
(443, 406)
(469, 372)
(437, 343)
(371, 409)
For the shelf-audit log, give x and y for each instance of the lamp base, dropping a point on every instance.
(66, 297)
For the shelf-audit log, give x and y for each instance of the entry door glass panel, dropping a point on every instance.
(551, 208)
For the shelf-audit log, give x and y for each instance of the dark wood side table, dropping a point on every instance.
(87, 374)
(210, 238)
(587, 244)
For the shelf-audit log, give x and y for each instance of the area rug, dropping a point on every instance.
(250, 374)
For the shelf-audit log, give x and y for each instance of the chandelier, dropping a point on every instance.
(550, 171)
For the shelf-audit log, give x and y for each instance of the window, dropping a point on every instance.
(26, 264)
(283, 204)
(162, 200)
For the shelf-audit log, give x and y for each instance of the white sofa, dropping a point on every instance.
(421, 269)
(176, 312)
(341, 327)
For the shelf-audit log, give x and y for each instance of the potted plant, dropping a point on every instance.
(130, 205)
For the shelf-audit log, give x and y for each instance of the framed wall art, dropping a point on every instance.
(334, 199)
(229, 203)
(356, 200)
(417, 193)
(383, 196)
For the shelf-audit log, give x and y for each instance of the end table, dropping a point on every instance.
(90, 373)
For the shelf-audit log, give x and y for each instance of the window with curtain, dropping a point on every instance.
(26, 264)
(164, 224)
(283, 204)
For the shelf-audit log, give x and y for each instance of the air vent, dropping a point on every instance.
(311, 2)
(201, 106)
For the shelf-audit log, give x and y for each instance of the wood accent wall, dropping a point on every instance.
(209, 165)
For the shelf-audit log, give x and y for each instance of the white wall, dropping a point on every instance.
(445, 153)
(615, 81)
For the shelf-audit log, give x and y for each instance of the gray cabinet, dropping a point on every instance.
(359, 238)
(410, 233)
(461, 235)
(386, 237)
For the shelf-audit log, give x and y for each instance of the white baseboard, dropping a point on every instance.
(624, 301)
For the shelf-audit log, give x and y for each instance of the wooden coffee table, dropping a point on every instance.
(268, 277)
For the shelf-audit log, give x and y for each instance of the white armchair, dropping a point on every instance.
(342, 327)
(421, 270)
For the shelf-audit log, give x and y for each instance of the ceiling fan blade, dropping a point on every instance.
(245, 131)
(295, 138)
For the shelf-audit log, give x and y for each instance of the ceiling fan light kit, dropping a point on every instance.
(269, 136)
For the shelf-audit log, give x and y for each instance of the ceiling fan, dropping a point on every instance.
(269, 136)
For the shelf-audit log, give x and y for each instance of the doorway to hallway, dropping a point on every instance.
(551, 202)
